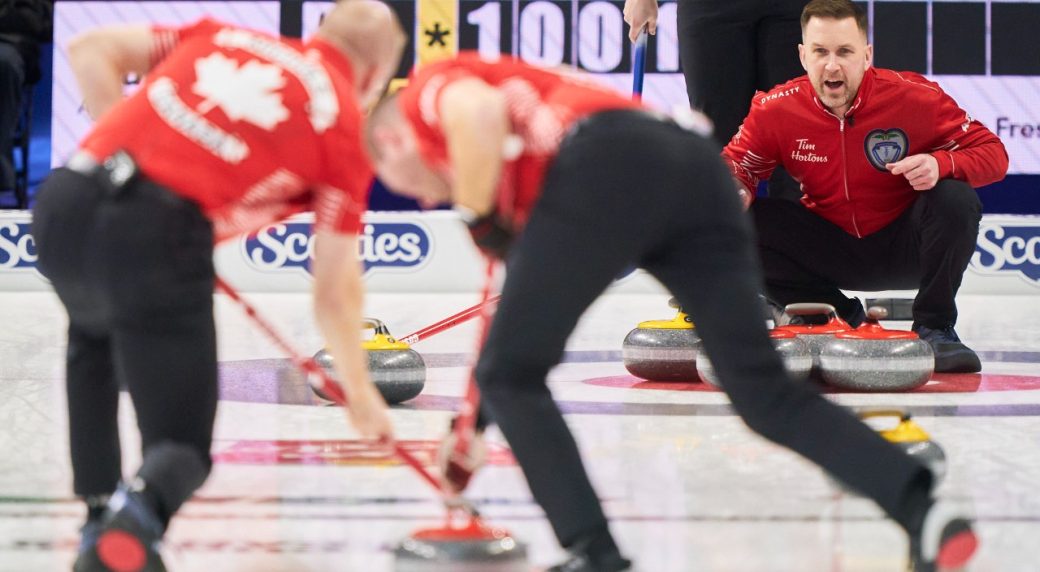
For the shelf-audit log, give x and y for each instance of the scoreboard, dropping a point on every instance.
(588, 34)
(982, 52)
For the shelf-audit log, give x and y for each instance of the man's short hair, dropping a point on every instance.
(834, 10)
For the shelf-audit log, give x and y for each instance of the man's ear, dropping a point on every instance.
(801, 56)
(870, 55)
(370, 86)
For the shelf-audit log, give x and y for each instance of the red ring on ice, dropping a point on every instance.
(940, 383)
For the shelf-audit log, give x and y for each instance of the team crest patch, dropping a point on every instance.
(885, 146)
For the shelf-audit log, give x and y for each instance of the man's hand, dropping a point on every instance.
(491, 234)
(640, 13)
(744, 194)
(458, 465)
(367, 412)
(921, 171)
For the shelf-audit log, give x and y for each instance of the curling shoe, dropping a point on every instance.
(88, 537)
(946, 540)
(584, 559)
(951, 355)
(129, 537)
(580, 562)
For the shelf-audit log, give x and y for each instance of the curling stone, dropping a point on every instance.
(795, 353)
(663, 350)
(910, 437)
(473, 548)
(871, 358)
(398, 371)
(814, 335)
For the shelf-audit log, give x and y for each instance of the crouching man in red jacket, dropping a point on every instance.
(888, 165)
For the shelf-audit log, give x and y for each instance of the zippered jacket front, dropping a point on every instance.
(840, 162)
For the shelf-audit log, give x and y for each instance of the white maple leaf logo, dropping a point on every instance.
(248, 93)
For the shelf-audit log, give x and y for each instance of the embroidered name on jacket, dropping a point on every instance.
(806, 152)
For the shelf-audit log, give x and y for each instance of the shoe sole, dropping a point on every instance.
(960, 362)
(119, 548)
(956, 551)
(88, 561)
(121, 551)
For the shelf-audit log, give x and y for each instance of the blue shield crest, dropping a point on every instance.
(884, 146)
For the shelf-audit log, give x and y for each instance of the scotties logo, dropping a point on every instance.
(1008, 248)
(883, 147)
(17, 248)
(380, 245)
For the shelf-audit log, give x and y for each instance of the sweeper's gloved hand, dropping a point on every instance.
(491, 233)
(459, 461)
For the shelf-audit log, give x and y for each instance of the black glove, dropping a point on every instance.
(491, 234)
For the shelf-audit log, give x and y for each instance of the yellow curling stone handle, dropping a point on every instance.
(680, 322)
(381, 340)
(906, 431)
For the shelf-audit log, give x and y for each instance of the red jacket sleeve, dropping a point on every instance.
(752, 153)
(966, 150)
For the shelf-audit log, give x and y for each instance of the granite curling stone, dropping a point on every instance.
(397, 370)
(815, 335)
(793, 351)
(872, 358)
(912, 438)
(473, 548)
(663, 350)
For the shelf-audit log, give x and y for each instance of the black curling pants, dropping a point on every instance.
(134, 271)
(729, 50)
(627, 189)
(806, 258)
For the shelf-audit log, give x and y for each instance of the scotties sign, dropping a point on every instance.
(290, 245)
(17, 248)
(1009, 248)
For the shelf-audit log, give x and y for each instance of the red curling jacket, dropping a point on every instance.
(840, 163)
